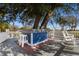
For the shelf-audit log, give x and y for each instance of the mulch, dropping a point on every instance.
(33, 49)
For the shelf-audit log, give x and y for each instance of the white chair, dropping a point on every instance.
(69, 37)
(69, 34)
(22, 40)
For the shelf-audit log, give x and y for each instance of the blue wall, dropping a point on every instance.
(39, 37)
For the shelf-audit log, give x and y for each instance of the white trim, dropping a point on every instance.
(37, 43)
(31, 39)
(40, 42)
(47, 35)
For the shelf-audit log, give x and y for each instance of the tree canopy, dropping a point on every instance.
(38, 13)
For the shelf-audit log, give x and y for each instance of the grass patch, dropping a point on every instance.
(76, 33)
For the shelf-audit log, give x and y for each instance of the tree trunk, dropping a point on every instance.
(36, 23)
(45, 21)
(13, 26)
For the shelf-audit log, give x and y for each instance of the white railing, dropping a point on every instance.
(14, 34)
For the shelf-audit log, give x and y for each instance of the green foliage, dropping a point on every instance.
(4, 26)
(25, 28)
(62, 21)
(26, 11)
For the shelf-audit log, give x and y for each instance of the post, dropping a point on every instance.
(53, 32)
(31, 39)
(74, 42)
(19, 40)
(22, 40)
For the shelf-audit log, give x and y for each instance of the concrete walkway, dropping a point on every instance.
(3, 36)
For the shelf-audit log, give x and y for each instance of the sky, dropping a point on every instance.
(49, 25)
